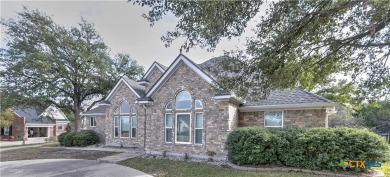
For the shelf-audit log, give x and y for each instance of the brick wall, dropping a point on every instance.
(291, 118)
(122, 93)
(17, 129)
(215, 115)
(100, 127)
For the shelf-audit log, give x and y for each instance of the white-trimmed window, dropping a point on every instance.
(273, 119)
(122, 123)
(198, 104)
(92, 121)
(6, 130)
(133, 122)
(198, 128)
(183, 128)
(168, 122)
(183, 100)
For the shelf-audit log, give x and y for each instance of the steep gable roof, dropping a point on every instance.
(155, 65)
(172, 68)
(137, 89)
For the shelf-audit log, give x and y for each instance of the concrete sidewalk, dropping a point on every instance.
(66, 168)
(16, 143)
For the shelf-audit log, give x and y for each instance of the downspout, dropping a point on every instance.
(144, 127)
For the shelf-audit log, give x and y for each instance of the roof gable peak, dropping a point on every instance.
(169, 71)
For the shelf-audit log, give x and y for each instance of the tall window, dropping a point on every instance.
(123, 126)
(198, 128)
(168, 122)
(273, 119)
(133, 123)
(183, 128)
(6, 130)
(92, 121)
(183, 100)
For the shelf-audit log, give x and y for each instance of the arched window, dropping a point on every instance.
(198, 104)
(183, 100)
(168, 122)
(123, 126)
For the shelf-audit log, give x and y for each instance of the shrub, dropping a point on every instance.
(315, 148)
(85, 138)
(68, 140)
(61, 138)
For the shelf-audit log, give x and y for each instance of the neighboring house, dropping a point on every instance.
(175, 110)
(35, 123)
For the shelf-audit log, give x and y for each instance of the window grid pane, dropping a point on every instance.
(183, 100)
(168, 135)
(273, 119)
(133, 126)
(198, 104)
(125, 126)
(116, 126)
(183, 128)
(168, 120)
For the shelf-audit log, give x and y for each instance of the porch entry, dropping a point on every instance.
(35, 132)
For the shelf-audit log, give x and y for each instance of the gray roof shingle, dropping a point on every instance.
(289, 97)
(101, 109)
(32, 115)
(137, 87)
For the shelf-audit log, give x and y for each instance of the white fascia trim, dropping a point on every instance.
(151, 69)
(117, 85)
(286, 106)
(173, 68)
(93, 114)
(143, 82)
(104, 104)
(39, 125)
(222, 97)
(143, 102)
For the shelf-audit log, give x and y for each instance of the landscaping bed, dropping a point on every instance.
(167, 168)
(31, 153)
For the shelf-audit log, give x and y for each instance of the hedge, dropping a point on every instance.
(83, 138)
(312, 148)
(61, 138)
(68, 140)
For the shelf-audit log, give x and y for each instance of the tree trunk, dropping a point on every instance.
(76, 113)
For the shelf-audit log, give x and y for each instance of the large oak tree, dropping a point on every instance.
(296, 43)
(46, 63)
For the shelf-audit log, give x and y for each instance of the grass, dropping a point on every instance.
(385, 166)
(167, 168)
(31, 153)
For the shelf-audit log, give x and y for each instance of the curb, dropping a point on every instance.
(376, 173)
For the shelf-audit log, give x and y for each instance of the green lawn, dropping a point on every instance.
(166, 168)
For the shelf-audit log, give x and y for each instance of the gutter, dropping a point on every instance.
(286, 106)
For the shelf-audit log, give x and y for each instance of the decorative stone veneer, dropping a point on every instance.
(153, 77)
(215, 115)
(99, 128)
(291, 118)
(123, 93)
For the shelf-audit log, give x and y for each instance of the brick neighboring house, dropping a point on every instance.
(175, 110)
(46, 123)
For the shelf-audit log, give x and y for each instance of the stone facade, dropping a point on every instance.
(215, 115)
(123, 93)
(291, 118)
(220, 115)
(99, 128)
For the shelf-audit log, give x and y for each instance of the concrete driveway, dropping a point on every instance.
(66, 167)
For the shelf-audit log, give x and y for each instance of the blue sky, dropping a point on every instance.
(123, 29)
